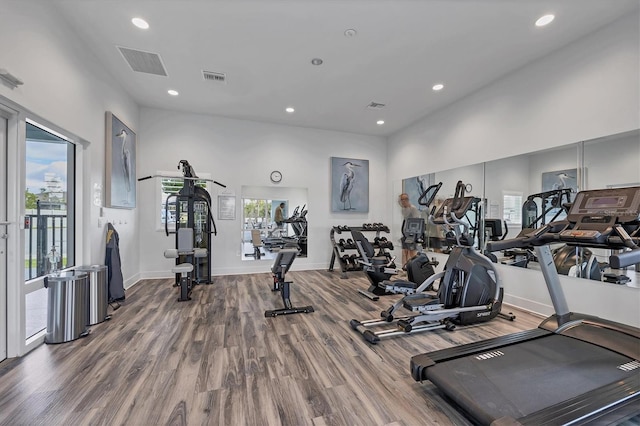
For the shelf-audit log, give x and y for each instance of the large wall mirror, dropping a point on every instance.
(535, 188)
(473, 179)
(273, 218)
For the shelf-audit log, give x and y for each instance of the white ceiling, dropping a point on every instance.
(402, 48)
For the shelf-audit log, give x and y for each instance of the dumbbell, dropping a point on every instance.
(350, 242)
(354, 261)
(345, 228)
(376, 241)
(345, 260)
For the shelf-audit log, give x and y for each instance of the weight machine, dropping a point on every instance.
(192, 210)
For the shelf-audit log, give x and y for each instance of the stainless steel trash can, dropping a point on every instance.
(67, 313)
(98, 294)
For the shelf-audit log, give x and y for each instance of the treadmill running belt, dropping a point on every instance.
(495, 384)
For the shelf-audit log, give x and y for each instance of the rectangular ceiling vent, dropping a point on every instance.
(146, 62)
(218, 77)
(375, 105)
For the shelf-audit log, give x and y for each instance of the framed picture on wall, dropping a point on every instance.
(349, 185)
(120, 179)
(226, 207)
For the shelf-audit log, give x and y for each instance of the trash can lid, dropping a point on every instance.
(91, 267)
(67, 275)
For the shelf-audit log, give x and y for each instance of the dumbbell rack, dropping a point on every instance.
(346, 245)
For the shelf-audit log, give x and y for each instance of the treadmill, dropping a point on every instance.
(572, 369)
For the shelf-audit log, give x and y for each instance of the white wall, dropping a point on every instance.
(64, 85)
(587, 90)
(65, 89)
(243, 153)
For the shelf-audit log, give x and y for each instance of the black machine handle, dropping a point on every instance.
(520, 242)
(435, 188)
(624, 259)
(188, 174)
(458, 196)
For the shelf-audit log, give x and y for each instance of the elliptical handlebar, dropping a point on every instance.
(429, 196)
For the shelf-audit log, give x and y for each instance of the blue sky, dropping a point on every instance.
(45, 157)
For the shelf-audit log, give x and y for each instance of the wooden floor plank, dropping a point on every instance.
(216, 360)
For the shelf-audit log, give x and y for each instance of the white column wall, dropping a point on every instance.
(243, 153)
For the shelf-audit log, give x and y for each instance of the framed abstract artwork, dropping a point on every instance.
(120, 179)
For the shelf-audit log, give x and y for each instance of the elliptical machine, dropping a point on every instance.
(379, 269)
(469, 290)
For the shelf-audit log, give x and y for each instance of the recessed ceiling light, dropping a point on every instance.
(544, 20)
(290, 110)
(380, 122)
(172, 92)
(350, 32)
(316, 61)
(140, 23)
(438, 87)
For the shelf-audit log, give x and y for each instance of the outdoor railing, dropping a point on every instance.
(43, 232)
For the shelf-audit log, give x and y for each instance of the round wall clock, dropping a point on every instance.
(276, 176)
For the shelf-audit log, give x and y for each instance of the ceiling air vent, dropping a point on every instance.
(218, 77)
(146, 62)
(375, 105)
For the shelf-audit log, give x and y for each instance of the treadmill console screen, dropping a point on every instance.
(621, 203)
(610, 202)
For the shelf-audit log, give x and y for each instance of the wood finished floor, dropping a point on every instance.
(217, 361)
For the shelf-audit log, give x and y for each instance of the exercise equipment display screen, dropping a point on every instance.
(623, 203)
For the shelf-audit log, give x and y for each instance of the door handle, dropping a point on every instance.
(4, 236)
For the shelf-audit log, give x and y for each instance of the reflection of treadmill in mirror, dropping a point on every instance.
(573, 368)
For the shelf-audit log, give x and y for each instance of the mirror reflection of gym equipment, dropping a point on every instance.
(261, 237)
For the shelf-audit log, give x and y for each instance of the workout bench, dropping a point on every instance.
(280, 267)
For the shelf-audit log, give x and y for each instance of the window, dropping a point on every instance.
(512, 207)
(168, 186)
